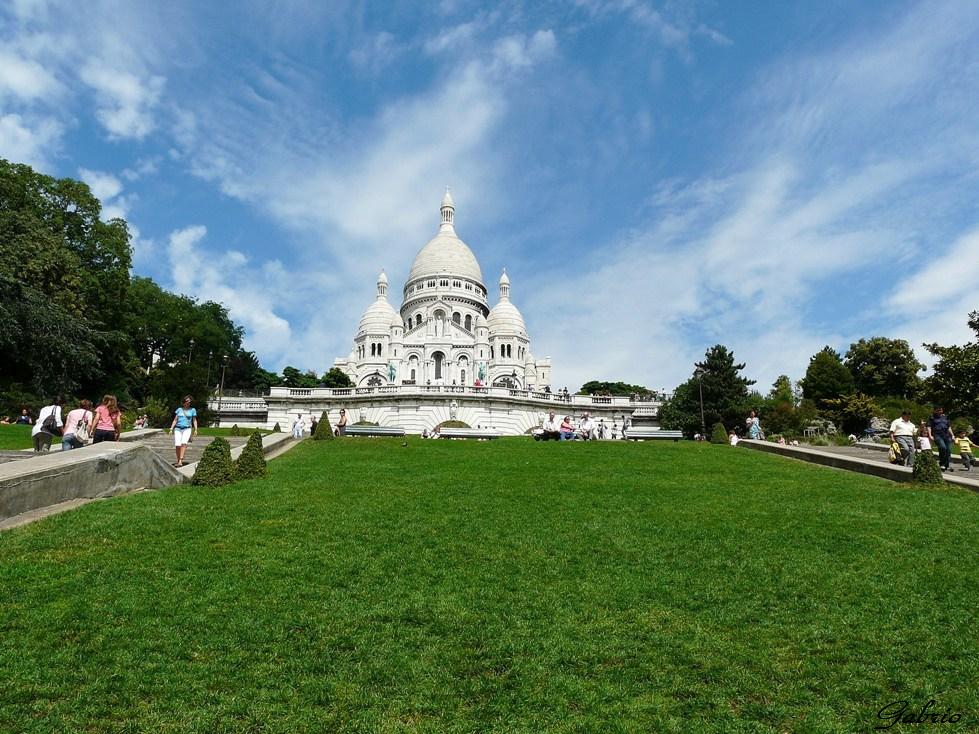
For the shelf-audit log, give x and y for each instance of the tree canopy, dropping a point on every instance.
(954, 381)
(827, 378)
(601, 387)
(725, 394)
(884, 367)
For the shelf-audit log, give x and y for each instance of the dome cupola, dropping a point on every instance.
(379, 316)
(505, 318)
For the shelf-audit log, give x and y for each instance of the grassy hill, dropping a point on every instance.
(495, 586)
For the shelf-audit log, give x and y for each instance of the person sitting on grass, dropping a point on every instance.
(25, 418)
(567, 429)
(732, 438)
(587, 427)
(965, 450)
(552, 429)
(185, 420)
(5, 421)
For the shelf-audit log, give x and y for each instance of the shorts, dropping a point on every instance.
(181, 436)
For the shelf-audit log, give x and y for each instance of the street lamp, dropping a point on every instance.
(699, 374)
(224, 367)
(208, 381)
(190, 353)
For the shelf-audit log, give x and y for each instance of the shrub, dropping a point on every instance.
(251, 463)
(718, 434)
(276, 428)
(454, 424)
(215, 467)
(235, 431)
(324, 431)
(926, 469)
(818, 440)
(158, 413)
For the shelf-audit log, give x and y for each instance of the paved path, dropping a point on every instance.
(162, 445)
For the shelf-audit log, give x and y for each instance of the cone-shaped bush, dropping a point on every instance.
(276, 428)
(215, 467)
(324, 432)
(718, 433)
(235, 431)
(251, 462)
(926, 469)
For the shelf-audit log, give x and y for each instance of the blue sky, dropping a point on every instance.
(655, 177)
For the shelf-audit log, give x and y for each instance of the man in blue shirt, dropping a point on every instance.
(941, 431)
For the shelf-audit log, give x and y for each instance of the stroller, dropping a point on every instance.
(895, 454)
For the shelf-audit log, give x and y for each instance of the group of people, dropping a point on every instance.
(907, 437)
(77, 427)
(24, 419)
(299, 425)
(586, 429)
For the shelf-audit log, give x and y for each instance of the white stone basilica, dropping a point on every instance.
(445, 332)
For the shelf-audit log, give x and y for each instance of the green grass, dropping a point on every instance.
(15, 437)
(226, 431)
(504, 586)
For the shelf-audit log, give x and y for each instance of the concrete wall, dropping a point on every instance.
(98, 470)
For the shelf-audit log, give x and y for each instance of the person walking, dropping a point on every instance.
(754, 426)
(924, 436)
(106, 421)
(76, 427)
(183, 427)
(941, 434)
(49, 424)
(902, 432)
(965, 450)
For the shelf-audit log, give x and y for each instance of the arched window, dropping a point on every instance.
(456, 318)
(412, 375)
(462, 377)
(372, 349)
(469, 322)
(439, 359)
(491, 352)
(379, 350)
(418, 320)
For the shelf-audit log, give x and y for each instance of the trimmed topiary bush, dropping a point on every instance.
(251, 462)
(718, 433)
(235, 431)
(276, 428)
(454, 424)
(215, 467)
(324, 431)
(926, 469)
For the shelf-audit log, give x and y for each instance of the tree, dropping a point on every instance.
(718, 434)
(323, 432)
(884, 367)
(852, 413)
(336, 377)
(725, 393)
(251, 462)
(215, 467)
(782, 390)
(598, 387)
(954, 382)
(292, 377)
(826, 378)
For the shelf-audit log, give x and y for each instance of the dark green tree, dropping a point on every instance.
(852, 413)
(323, 432)
(599, 387)
(251, 462)
(215, 467)
(954, 381)
(718, 434)
(336, 377)
(884, 367)
(725, 392)
(292, 377)
(827, 378)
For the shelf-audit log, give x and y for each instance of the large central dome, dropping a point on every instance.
(446, 253)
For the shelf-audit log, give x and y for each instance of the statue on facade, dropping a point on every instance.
(453, 410)
(482, 371)
(392, 372)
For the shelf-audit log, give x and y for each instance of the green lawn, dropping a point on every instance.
(504, 586)
(15, 437)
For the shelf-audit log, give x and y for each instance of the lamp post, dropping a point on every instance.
(208, 380)
(699, 374)
(224, 367)
(190, 352)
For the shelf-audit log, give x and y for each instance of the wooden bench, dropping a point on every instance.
(479, 433)
(374, 431)
(648, 433)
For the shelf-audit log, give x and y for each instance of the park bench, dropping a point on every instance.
(479, 433)
(375, 431)
(648, 433)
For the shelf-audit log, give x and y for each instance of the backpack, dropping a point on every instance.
(894, 455)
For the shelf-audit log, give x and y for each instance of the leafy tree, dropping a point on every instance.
(954, 381)
(336, 377)
(598, 387)
(826, 378)
(782, 390)
(852, 413)
(725, 392)
(882, 367)
(292, 377)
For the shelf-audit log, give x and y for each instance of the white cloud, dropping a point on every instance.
(25, 79)
(126, 101)
(104, 186)
(30, 140)
(379, 51)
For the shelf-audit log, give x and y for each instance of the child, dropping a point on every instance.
(965, 450)
(924, 437)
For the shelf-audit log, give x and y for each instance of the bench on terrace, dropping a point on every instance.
(480, 433)
(648, 433)
(375, 431)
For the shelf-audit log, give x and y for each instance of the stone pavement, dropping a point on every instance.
(162, 445)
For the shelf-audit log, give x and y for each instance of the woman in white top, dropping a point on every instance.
(76, 426)
(924, 436)
(49, 424)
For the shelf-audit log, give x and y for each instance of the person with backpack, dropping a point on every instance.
(49, 424)
(76, 427)
(107, 421)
